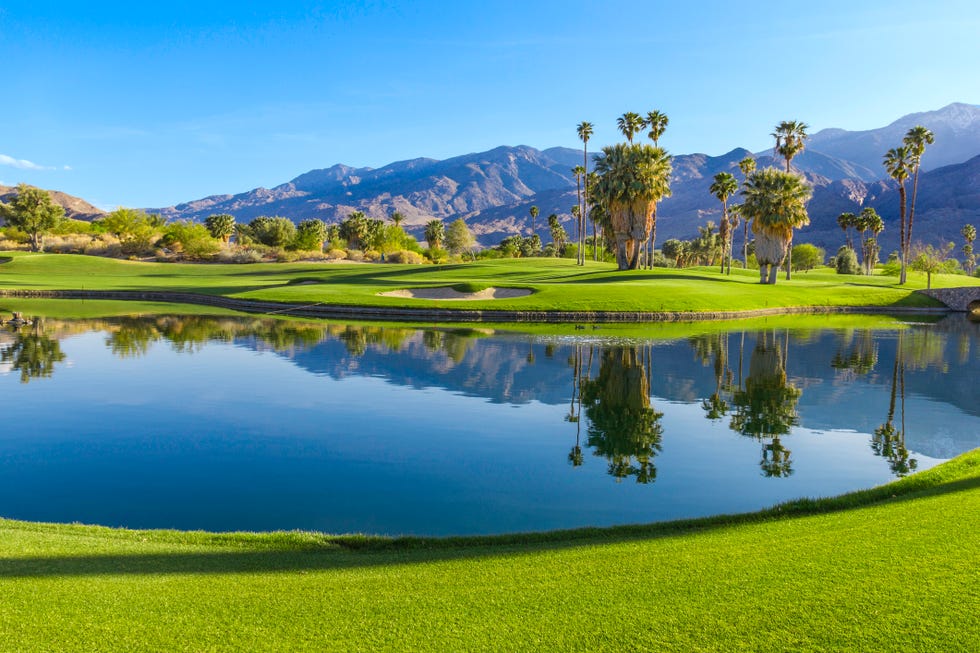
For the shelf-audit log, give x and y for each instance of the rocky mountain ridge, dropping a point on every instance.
(494, 190)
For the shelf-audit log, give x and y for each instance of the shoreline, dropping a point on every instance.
(385, 313)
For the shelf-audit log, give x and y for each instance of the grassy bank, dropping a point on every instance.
(557, 284)
(894, 568)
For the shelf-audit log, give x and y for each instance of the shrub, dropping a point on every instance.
(437, 255)
(355, 255)
(406, 256)
(336, 254)
(190, 239)
(846, 261)
(372, 255)
(7, 245)
(239, 255)
(67, 244)
(104, 245)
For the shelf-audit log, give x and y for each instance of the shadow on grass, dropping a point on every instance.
(346, 552)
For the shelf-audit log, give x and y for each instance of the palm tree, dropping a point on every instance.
(631, 180)
(898, 163)
(915, 140)
(873, 223)
(584, 130)
(579, 173)
(558, 234)
(630, 123)
(969, 259)
(734, 217)
(534, 214)
(397, 218)
(657, 122)
(724, 186)
(845, 221)
(790, 138)
(775, 201)
(747, 166)
(435, 232)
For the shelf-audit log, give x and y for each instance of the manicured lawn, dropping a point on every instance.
(896, 568)
(558, 284)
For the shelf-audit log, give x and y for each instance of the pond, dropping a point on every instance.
(252, 423)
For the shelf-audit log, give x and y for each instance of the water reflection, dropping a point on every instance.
(745, 384)
(31, 352)
(623, 427)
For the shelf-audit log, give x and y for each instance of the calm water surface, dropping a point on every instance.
(257, 424)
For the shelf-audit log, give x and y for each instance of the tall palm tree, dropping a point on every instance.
(735, 218)
(775, 201)
(579, 173)
(631, 180)
(584, 130)
(534, 214)
(915, 140)
(969, 233)
(657, 122)
(898, 163)
(397, 218)
(723, 187)
(747, 166)
(790, 138)
(630, 124)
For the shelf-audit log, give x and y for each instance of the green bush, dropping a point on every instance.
(846, 261)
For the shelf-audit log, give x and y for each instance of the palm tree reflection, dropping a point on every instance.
(623, 427)
(765, 408)
(888, 441)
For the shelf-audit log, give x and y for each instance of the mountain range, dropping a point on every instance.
(493, 191)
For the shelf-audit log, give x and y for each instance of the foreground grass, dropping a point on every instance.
(894, 568)
(558, 284)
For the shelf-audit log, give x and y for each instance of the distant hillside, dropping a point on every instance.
(957, 130)
(75, 208)
(421, 189)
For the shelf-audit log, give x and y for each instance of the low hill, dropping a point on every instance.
(75, 207)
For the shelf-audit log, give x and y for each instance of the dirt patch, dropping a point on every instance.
(446, 293)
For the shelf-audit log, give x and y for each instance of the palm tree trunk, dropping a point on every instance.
(902, 244)
(789, 258)
(745, 243)
(915, 192)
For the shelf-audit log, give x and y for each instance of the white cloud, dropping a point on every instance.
(22, 164)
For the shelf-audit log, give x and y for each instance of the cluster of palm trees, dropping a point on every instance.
(774, 202)
(901, 163)
(630, 178)
(867, 221)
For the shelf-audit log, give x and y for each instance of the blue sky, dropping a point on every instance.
(150, 104)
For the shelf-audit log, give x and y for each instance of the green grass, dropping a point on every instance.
(889, 569)
(559, 284)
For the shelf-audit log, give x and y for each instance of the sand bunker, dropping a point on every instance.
(447, 293)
